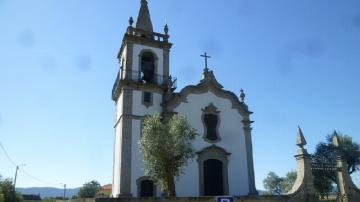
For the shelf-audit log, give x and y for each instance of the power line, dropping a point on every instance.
(25, 172)
(38, 179)
(7, 155)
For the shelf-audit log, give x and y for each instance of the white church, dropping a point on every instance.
(224, 160)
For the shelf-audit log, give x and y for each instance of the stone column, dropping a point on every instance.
(304, 185)
(347, 189)
(166, 62)
(126, 144)
(304, 177)
(249, 155)
(128, 69)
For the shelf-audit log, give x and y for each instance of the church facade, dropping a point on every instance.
(224, 162)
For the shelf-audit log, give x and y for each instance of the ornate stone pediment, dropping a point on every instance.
(207, 83)
(214, 149)
(211, 109)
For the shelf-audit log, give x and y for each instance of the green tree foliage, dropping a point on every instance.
(272, 183)
(325, 157)
(166, 148)
(288, 181)
(276, 185)
(7, 191)
(54, 199)
(89, 189)
(48, 199)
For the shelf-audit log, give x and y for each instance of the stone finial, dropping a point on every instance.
(242, 95)
(205, 74)
(131, 21)
(166, 29)
(303, 187)
(300, 139)
(347, 189)
(335, 139)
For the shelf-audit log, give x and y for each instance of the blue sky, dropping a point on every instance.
(298, 62)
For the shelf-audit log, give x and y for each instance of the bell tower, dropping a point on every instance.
(141, 85)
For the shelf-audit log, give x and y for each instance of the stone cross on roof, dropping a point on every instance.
(206, 60)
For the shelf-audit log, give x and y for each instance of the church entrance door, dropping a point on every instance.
(213, 178)
(147, 188)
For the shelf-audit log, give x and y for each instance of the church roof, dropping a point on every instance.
(208, 83)
(144, 20)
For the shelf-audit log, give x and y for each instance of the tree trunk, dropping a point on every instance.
(172, 191)
(170, 183)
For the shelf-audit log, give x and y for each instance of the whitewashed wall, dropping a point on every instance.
(232, 140)
(140, 110)
(230, 130)
(117, 138)
(117, 160)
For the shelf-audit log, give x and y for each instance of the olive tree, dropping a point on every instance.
(166, 147)
(276, 185)
(89, 189)
(7, 191)
(325, 155)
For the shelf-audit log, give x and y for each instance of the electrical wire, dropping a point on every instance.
(25, 172)
(7, 155)
(38, 179)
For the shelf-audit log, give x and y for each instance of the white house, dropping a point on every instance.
(224, 161)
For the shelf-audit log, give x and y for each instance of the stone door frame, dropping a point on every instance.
(217, 153)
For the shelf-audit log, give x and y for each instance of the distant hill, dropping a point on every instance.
(48, 191)
(261, 192)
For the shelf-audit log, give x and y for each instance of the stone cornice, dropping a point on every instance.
(213, 148)
(136, 86)
(128, 39)
(129, 116)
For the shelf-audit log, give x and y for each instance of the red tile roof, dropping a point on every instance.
(107, 187)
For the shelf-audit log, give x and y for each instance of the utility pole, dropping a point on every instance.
(64, 191)
(16, 171)
(17, 168)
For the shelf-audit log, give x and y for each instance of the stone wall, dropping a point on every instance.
(302, 191)
(199, 199)
(78, 200)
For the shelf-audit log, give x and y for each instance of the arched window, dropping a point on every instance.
(211, 122)
(147, 67)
